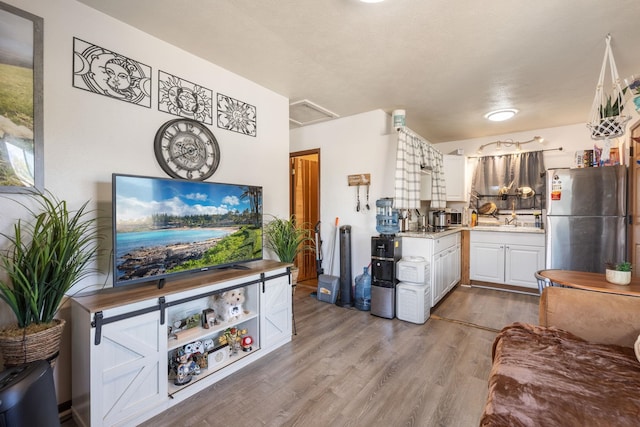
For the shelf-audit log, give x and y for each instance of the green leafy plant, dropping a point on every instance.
(46, 257)
(622, 266)
(612, 108)
(287, 239)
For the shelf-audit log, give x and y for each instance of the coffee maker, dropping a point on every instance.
(386, 251)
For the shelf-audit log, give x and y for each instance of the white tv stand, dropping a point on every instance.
(121, 345)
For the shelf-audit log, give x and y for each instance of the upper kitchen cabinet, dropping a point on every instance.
(425, 184)
(455, 177)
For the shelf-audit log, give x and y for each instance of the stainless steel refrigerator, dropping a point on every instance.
(586, 218)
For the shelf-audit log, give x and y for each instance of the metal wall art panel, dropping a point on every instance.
(98, 70)
(236, 116)
(185, 99)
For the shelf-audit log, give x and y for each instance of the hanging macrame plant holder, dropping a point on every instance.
(606, 119)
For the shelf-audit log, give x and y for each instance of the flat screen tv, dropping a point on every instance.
(164, 227)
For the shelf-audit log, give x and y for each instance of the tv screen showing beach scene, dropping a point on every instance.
(164, 227)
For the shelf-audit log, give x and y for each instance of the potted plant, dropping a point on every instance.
(288, 239)
(619, 274)
(611, 119)
(46, 257)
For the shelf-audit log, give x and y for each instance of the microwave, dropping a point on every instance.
(456, 218)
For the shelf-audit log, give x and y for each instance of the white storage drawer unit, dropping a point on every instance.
(443, 255)
(413, 302)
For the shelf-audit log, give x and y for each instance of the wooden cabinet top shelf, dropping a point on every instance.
(115, 297)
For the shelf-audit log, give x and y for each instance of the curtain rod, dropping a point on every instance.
(509, 154)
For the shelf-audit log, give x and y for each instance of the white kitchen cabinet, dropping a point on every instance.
(425, 184)
(455, 177)
(521, 263)
(508, 258)
(444, 255)
(123, 341)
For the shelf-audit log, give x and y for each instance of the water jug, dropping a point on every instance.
(363, 291)
(386, 217)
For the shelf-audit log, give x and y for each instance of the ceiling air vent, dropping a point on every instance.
(305, 112)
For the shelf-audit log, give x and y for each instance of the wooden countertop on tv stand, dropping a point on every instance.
(103, 299)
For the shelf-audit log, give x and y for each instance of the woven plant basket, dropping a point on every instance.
(606, 120)
(609, 127)
(18, 348)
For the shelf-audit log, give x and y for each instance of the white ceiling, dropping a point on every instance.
(446, 62)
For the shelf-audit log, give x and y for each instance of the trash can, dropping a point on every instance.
(28, 396)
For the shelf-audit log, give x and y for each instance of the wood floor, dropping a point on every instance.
(348, 368)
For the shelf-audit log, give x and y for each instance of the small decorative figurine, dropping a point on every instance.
(231, 336)
(246, 343)
(181, 368)
(229, 305)
(208, 318)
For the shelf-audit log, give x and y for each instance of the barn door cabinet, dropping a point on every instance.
(124, 340)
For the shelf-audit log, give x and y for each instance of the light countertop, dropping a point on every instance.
(507, 228)
(487, 228)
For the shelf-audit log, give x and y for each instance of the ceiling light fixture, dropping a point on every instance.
(371, 1)
(501, 115)
(510, 143)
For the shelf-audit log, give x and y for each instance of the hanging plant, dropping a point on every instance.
(607, 120)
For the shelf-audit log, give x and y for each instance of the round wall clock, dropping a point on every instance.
(187, 149)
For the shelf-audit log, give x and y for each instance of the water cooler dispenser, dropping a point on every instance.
(385, 253)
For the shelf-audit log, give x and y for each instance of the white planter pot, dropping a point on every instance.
(618, 277)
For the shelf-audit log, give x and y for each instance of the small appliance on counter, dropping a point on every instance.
(441, 220)
(455, 219)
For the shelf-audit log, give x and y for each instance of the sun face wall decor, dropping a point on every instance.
(183, 98)
(236, 116)
(98, 70)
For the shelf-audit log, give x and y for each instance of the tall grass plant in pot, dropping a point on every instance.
(49, 252)
(287, 240)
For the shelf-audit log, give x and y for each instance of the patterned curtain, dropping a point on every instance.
(414, 153)
(512, 171)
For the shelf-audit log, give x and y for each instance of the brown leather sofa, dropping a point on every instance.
(577, 368)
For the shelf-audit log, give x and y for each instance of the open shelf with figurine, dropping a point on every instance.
(205, 334)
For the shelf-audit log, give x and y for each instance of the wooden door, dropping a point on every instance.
(305, 202)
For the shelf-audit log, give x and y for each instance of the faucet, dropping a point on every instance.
(514, 217)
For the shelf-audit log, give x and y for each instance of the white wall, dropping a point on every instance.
(87, 137)
(362, 144)
(571, 138)
(352, 145)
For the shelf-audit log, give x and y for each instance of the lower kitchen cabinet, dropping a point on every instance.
(130, 346)
(507, 258)
(444, 254)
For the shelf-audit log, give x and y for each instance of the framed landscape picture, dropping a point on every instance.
(21, 112)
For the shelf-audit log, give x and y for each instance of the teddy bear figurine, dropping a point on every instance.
(229, 305)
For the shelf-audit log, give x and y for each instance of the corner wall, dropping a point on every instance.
(351, 145)
(87, 137)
